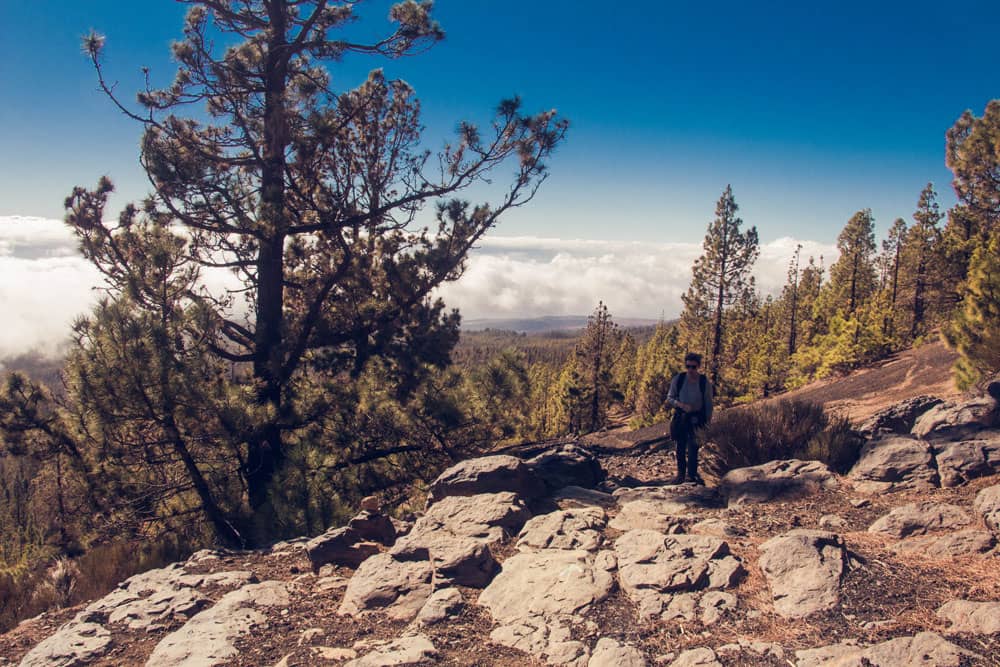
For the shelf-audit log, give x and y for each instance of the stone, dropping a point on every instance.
(612, 653)
(547, 582)
(664, 516)
(919, 518)
(78, 642)
(399, 652)
(442, 605)
(899, 418)
(832, 522)
(687, 497)
(310, 634)
(925, 648)
(549, 639)
(774, 479)
(957, 421)
(948, 545)
(334, 654)
(568, 465)
(977, 618)
(959, 462)
(682, 607)
(652, 566)
(697, 657)
(164, 604)
(577, 496)
(714, 605)
(208, 637)
(400, 588)
(987, 505)
(458, 560)
(488, 474)
(827, 655)
(564, 529)
(340, 546)
(374, 527)
(804, 569)
(894, 462)
(717, 528)
(371, 504)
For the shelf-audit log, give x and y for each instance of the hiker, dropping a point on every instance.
(691, 397)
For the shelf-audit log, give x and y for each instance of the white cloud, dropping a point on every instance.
(45, 283)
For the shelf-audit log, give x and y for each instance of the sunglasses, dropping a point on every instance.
(692, 366)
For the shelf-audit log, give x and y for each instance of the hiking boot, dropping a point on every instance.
(677, 480)
(698, 480)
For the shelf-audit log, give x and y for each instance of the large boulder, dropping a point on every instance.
(888, 463)
(977, 618)
(488, 474)
(568, 465)
(948, 545)
(82, 641)
(564, 529)
(987, 505)
(957, 421)
(804, 569)
(400, 588)
(899, 418)
(920, 518)
(373, 526)
(765, 482)
(339, 546)
(959, 462)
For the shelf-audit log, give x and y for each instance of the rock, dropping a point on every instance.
(569, 465)
(919, 518)
(374, 527)
(458, 560)
(832, 522)
(548, 639)
(682, 607)
(334, 654)
(887, 463)
(652, 566)
(208, 637)
(577, 496)
(948, 545)
(804, 569)
(165, 604)
(488, 474)
(718, 528)
(959, 462)
(547, 583)
(371, 504)
(664, 516)
(79, 642)
(978, 618)
(686, 497)
(611, 653)
(399, 652)
(763, 483)
(442, 605)
(828, 656)
(340, 546)
(565, 529)
(926, 648)
(400, 588)
(899, 418)
(987, 504)
(957, 421)
(697, 657)
(714, 605)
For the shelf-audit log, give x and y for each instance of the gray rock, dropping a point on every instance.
(79, 642)
(697, 657)
(577, 496)
(828, 656)
(612, 653)
(399, 652)
(765, 482)
(957, 421)
(959, 462)
(564, 529)
(977, 618)
(899, 418)
(804, 569)
(919, 518)
(714, 605)
(340, 546)
(568, 465)
(374, 527)
(208, 637)
(441, 606)
(488, 474)
(681, 607)
(926, 648)
(948, 545)
(653, 566)
(832, 522)
(987, 505)
(400, 588)
(546, 638)
(665, 516)
(718, 528)
(892, 462)
(687, 497)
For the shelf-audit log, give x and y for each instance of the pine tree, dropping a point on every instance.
(974, 330)
(596, 355)
(892, 251)
(720, 276)
(973, 155)
(922, 265)
(790, 296)
(309, 197)
(852, 276)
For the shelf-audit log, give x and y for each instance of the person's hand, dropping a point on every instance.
(686, 407)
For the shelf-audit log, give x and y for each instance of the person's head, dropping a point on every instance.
(692, 362)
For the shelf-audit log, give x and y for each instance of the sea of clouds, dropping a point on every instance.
(45, 283)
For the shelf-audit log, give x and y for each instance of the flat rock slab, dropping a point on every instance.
(487, 474)
(564, 529)
(987, 505)
(894, 462)
(577, 496)
(612, 653)
(948, 545)
(665, 516)
(549, 639)
(977, 618)
(208, 638)
(763, 483)
(959, 462)
(697, 657)
(804, 569)
(401, 652)
(79, 642)
(926, 648)
(652, 566)
(548, 583)
(920, 518)
(400, 588)
(957, 421)
(687, 496)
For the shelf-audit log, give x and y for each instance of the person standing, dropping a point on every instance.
(691, 397)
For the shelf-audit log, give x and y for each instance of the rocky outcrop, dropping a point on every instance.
(920, 518)
(565, 529)
(804, 569)
(957, 421)
(959, 462)
(763, 483)
(894, 462)
(340, 546)
(987, 505)
(568, 465)
(405, 651)
(489, 474)
(925, 648)
(397, 587)
(948, 545)
(79, 642)
(611, 653)
(977, 618)
(899, 418)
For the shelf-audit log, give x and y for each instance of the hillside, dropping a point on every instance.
(549, 560)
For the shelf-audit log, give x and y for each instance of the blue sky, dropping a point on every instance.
(810, 110)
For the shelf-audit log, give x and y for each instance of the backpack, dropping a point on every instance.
(702, 384)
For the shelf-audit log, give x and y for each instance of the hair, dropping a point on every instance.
(692, 356)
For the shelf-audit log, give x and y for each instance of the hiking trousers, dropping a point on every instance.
(686, 437)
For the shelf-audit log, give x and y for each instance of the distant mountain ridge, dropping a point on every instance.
(546, 323)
